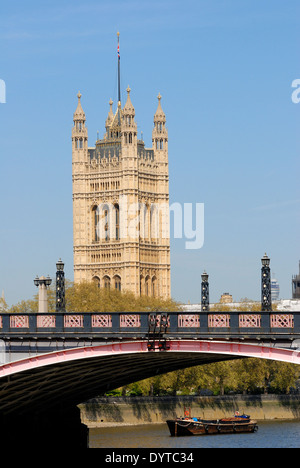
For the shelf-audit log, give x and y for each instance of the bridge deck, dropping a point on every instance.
(176, 324)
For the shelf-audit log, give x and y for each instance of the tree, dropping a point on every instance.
(87, 297)
(284, 376)
(218, 376)
(250, 374)
(28, 306)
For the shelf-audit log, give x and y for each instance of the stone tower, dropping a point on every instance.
(121, 204)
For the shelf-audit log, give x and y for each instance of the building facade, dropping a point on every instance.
(226, 298)
(275, 290)
(296, 285)
(121, 204)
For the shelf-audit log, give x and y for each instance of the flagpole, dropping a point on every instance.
(119, 86)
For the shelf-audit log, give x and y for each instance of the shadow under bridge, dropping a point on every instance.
(68, 377)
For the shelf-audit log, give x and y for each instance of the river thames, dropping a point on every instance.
(271, 434)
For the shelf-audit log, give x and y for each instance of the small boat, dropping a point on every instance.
(189, 426)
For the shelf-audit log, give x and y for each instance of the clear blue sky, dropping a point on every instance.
(224, 69)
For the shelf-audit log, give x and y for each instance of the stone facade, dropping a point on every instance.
(226, 298)
(121, 204)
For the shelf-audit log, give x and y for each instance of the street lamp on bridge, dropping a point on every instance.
(43, 283)
(60, 287)
(204, 292)
(266, 298)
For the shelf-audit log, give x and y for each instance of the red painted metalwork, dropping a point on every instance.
(101, 321)
(128, 321)
(46, 321)
(137, 347)
(250, 321)
(282, 321)
(19, 321)
(189, 321)
(219, 321)
(73, 321)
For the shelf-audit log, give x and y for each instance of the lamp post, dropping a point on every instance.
(266, 298)
(204, 292)
(43, 283)
(60, 287)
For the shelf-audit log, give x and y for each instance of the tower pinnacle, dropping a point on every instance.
(79, 113)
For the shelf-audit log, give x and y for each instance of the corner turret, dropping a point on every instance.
(160, 132)
(129, 127)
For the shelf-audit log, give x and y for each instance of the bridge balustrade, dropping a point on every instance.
(209, 322)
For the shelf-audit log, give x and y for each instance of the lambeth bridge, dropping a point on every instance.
(49, 363)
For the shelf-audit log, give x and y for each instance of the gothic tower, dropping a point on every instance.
(121, 204)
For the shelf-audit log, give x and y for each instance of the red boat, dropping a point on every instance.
(197, 426)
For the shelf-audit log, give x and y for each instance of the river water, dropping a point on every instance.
(270, 434)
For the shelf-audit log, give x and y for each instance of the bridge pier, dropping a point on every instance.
(57, 428)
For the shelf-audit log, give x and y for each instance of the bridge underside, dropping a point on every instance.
(72, 382)
(66, 378)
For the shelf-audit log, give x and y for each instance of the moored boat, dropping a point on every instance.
(197, 426)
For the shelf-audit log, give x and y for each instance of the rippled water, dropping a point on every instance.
(271, 434)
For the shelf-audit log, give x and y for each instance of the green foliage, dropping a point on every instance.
(87, 297)
(247, 376)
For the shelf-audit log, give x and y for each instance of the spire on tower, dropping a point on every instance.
(110, 116)
(159, 114)
(128, 108)
(79, 113)
(160, 133)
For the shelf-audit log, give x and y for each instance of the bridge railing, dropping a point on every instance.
(137, 323)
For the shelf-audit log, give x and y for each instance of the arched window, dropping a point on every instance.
(154, 221)
(95, 212)
(142, 285)
(154, 286)
(106, 222)
(147, 221)
(106, 282)
(130, 137)
(117, 221)
(117, 281)
(96, 280)
(147, 286)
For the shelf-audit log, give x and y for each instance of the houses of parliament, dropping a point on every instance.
(121, 203)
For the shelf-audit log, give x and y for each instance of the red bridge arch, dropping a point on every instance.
(75, 375)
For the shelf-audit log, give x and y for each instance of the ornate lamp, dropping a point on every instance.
(60, 287)
(266, 298)
(204, 292)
